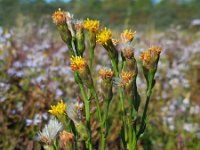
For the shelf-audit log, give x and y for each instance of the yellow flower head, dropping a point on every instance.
(127, 77)
(59, 17)
(145, 56)
(77, 62)
(59, 109)
(127, 35)
(106, 73)
(104, 36)
(155, 49)
(91, 25)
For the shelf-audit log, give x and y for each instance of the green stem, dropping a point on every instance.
(99, 116)
(91, 57)
(87, 112)
(116, 71)
(115, 67)
(104, 136)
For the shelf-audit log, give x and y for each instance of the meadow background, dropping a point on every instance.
(35, 73)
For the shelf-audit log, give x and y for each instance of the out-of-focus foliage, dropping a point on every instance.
(118, 13)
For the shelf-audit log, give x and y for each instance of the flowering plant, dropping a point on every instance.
(75, 117)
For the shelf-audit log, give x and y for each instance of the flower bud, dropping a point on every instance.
(60, 19)
(106, 84)
(80, 37)
(150, 59)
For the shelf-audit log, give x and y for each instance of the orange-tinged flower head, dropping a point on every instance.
(66, 137)
(91, 25)
(59, 109)
(59, 17)
(77, 62)
(104, 36)
(106, 73)
(127, 77)
(156, 49)
(127, 35)
(145, 56)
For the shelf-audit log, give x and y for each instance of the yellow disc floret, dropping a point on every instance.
(59, 17)
(91, 25)
(127, 36)
(59, 109)
(77, 62)
(104, 36)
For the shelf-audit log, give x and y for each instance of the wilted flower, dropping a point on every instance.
(128, 51)
(59, 109)
(91, 25)
(104, 36)
(77, 62)
(50, 131)
(127, 36)
(59, 17)
(79, 24)
(73, 112)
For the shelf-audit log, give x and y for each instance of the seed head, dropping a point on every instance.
(50, 131)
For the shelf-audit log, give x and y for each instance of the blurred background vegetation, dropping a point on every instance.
(119, 13)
